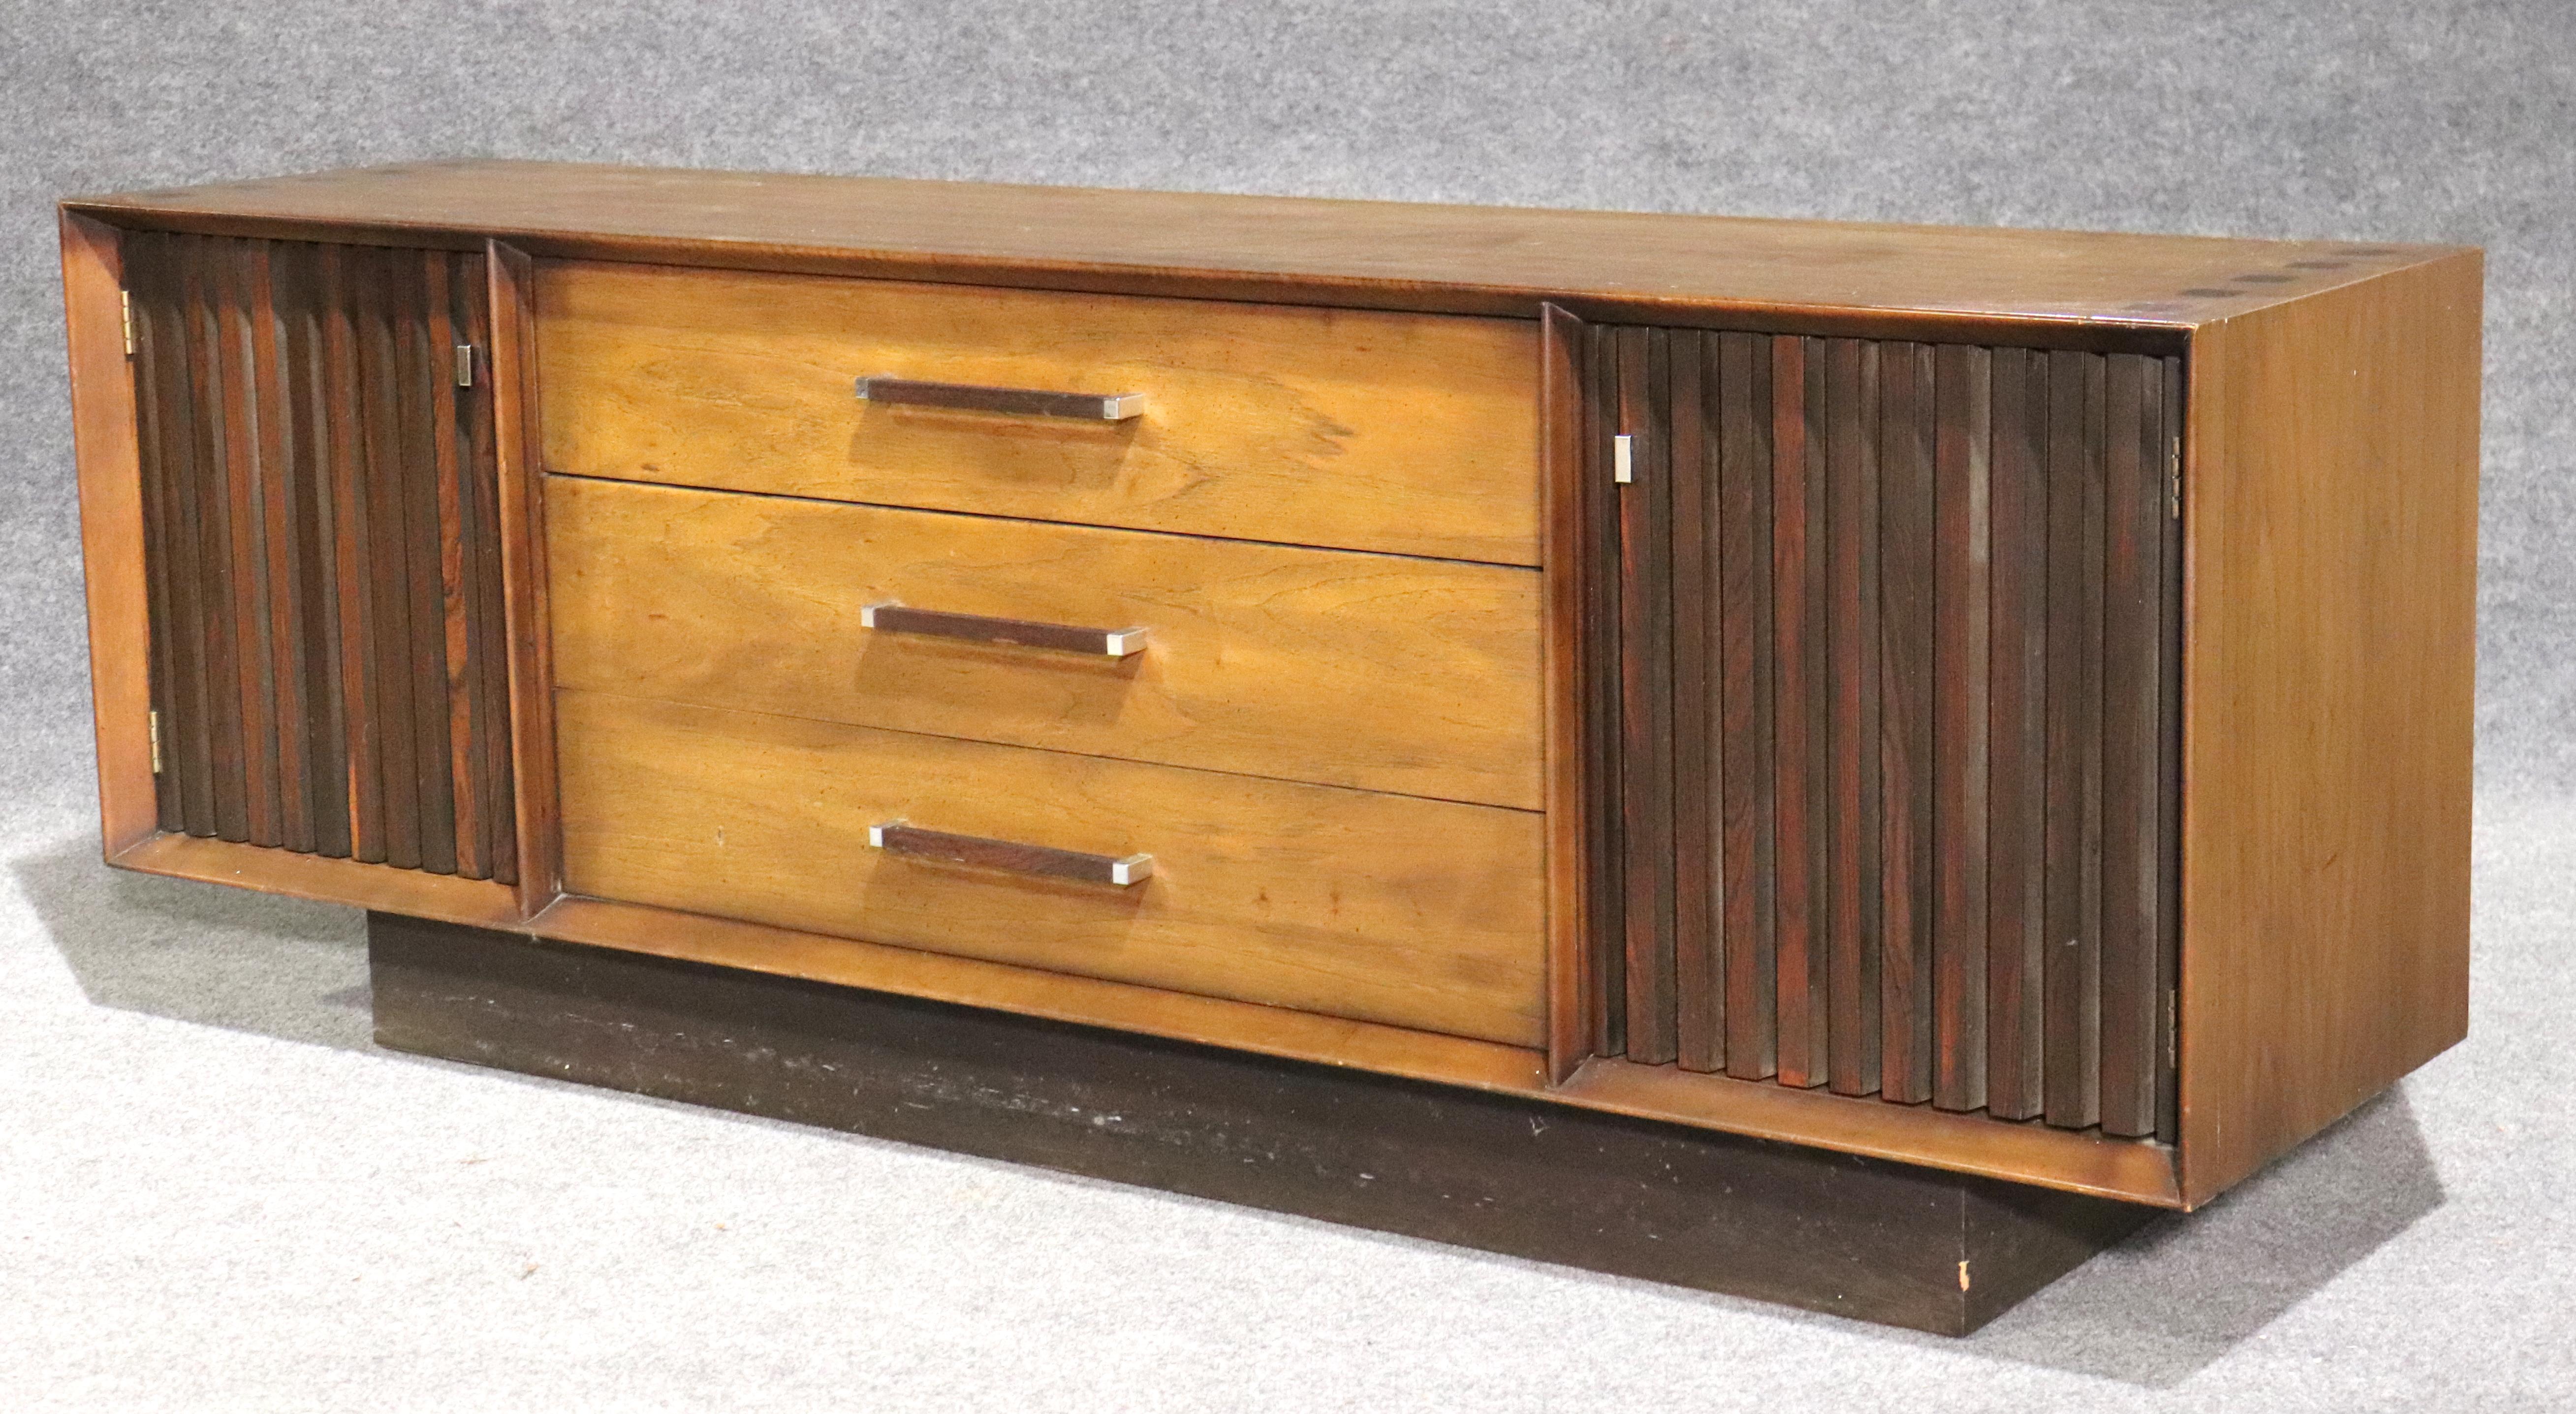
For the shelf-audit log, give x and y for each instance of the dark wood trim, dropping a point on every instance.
(519, 543)
(1646, 784)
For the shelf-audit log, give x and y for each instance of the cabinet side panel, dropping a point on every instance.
(2328, 681)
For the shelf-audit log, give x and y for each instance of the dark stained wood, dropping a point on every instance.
(2074, 868)
(344, 346)
(1006, 633)
(386, 555)
(477, 414)
(1698, 692)
(2017, 701)
(245, 495)
(454, 702)
(295, 272)
(2034, 288)
(1744, 546)
(1962, 671)
(1906, 630)
(1801, 688)
(282, 552)
(212, 515)
(1860, 1237)
(166, 435)
(2132, 705)
(1566, 578)
(1852, 906)
(141, 314)
(419, 371)
(1646, 695)
(1009, 856)
(1609, 924)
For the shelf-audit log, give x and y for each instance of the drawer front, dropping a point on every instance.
(1426, 670)
(1416, 434)
(1417, 913)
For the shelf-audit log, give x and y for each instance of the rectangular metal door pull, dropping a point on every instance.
(1622, 465)
(891, 617)
(896, 837)
(1013, 402)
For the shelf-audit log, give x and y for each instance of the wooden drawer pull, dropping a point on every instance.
(1014, 402)
(896, 837)
(891, 617)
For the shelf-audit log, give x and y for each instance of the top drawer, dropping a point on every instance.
(1415, 434)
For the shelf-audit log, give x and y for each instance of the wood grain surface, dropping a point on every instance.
(1379, 671)
(1405, 433)
(1383, 908)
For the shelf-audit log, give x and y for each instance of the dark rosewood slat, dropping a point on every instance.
(2017, 782)
(166, 424)
(2168, 931)
(1699, 966)
(1645, 691)
(1800, 694)
(457, 687)
(424, 555)
(246, 481)
(1852, 1035)
(296, 278)
(197, 262)
(347, 334)
(386, 555)
(151, 472)
(1906, 558)
(2131, 568)
(1744, 541)
(2074, 971)
(476, 432)
(282, 557)
(1962, 572)
(1608, 923)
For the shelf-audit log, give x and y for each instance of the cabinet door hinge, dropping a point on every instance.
(154, 718)
(464, 365)
(1622, 466)
(2173, 1029)
(2173, 479)
(125, 301)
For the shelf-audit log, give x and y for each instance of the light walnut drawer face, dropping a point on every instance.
(1416, 913)
(1415, 434)
(1377, 671)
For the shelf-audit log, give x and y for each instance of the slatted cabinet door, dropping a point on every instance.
(321, 555)
(1890, 739)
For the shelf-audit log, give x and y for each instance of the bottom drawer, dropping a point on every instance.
(1411, 912)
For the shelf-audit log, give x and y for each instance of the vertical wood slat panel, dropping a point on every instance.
(1906, 562)
(1746, 740)
(322, 550)
(1646, 699)
(1962, 667)
(1913, 614)
(2016, 801)
(1799, 698)
(1607, 925)
(2132, 565)
(1852, 405)
(2073, 980)
(1699, 964)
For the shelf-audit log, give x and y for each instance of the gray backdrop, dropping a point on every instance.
(2378, 120)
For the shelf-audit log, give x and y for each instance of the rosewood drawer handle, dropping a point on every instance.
(1016, 402)
(891, 617)
(896, 837)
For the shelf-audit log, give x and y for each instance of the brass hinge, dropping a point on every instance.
(155, 719)
(464, 365)
(2173, 1028)
(125, 299)
(2173, 478)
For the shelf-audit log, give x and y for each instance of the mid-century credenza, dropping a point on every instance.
(1674, 737)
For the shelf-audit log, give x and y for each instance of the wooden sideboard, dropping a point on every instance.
(1994, 700)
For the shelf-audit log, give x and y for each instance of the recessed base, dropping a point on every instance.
(1864, 1238)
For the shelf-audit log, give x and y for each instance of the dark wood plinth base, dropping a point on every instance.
(1857, 1237)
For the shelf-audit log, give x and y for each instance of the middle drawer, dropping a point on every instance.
(1381, 672)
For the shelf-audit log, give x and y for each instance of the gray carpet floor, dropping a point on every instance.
(214, 1194)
